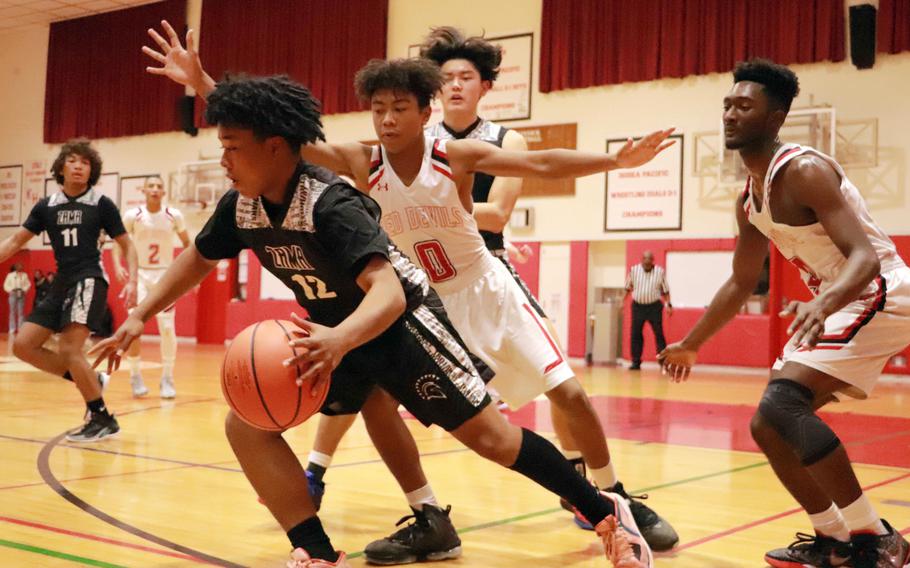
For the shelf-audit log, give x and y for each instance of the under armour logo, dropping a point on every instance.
(428, 388)
(382, 187)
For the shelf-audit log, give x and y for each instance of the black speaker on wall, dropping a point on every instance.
(186, 108)
(862, 35)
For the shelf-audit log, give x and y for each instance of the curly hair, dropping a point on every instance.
(445, 43)
(781, 85)
(269, 106)
(81, 147)
(419, 77)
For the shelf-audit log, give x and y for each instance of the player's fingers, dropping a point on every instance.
(311, 373)
(153, 54)
(162, 43)
(789, 309)
(300, 356)
(665, 145)
(101, 345)
(155, 70)
(171, 34)
(796, 324)
(686, 373)
(191, 41)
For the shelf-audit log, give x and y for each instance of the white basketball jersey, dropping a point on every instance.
(427, 220)
(153, 234)
(809, 247)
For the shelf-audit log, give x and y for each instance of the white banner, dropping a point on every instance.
(33, 188)
(510, 97)
(10, 196)
(647, 198)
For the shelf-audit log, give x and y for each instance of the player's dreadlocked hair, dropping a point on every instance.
(81, 147)
(269, 106)
(419, 77)
(447, 43)
(779, 82)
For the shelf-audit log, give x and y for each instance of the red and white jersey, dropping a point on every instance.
(428, 221)
(153, 234)
(809, 247)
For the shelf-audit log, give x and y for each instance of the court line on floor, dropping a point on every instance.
(104, 476)
(765, 520)
(57, 554)
(96, 538)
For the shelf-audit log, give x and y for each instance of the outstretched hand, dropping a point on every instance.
(116, 345)
(676, 360)
(634, 154)
(178, 63)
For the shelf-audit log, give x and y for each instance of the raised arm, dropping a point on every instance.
(179, 64)
(748, 260)
(494, 214)
(13, 243)
(469, 156)
(351, 160)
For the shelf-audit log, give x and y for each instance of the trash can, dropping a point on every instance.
(607, 336)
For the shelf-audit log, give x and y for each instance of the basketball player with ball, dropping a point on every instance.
(373, 320)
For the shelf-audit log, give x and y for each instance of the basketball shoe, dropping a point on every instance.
(430, 537)
(874, 551)
(623, 543)
(659, 534)
(167, 387)
(812, 550)
(97, 427)
(300, 559)
(138, 385)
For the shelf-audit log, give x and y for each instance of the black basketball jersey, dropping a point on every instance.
(73, 225)
(317, 242)
(488, 132)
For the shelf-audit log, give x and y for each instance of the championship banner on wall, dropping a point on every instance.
(10, 196)
(510, 97)
(33, 189)
(647, 198)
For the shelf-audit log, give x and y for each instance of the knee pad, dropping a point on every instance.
(787, 406)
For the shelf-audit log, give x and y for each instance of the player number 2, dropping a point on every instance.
(313, 288)
(434, 260)
(70, 237)
(153, 254)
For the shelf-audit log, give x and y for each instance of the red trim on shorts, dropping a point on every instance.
(559, 358)
(844, 337)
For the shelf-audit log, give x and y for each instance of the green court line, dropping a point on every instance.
(552, 510)
(56, 554)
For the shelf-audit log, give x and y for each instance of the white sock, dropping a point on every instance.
(320, 459)
(861, 517)
(167, 369)
(420, 497)
(604, 477)
(831, 523)
(134, 364)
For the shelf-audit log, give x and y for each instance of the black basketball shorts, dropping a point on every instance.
(81, 302)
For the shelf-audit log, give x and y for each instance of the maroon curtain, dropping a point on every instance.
(601, 42)
(96, 80)
(321, 43)
(893, 26)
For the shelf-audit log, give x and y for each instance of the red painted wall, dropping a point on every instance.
(743, 342)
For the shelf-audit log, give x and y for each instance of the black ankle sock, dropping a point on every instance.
(310, 536)
(540, 461)
(317, 470)
(97, 407)
(68, 376)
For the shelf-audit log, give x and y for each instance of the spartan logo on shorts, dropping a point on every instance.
(428, 388)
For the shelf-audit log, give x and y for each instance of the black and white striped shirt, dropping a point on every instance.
(647, 286)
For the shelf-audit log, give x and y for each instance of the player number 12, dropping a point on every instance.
(308, 282)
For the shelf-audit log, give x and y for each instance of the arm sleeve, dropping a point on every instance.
(347, 224)
(35, 221)
(219, 237)
(110, 217)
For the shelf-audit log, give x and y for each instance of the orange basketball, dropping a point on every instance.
(256, 384)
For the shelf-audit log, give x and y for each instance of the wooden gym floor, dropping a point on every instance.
(168, 492)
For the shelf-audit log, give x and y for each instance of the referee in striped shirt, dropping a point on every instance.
(648, 286)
